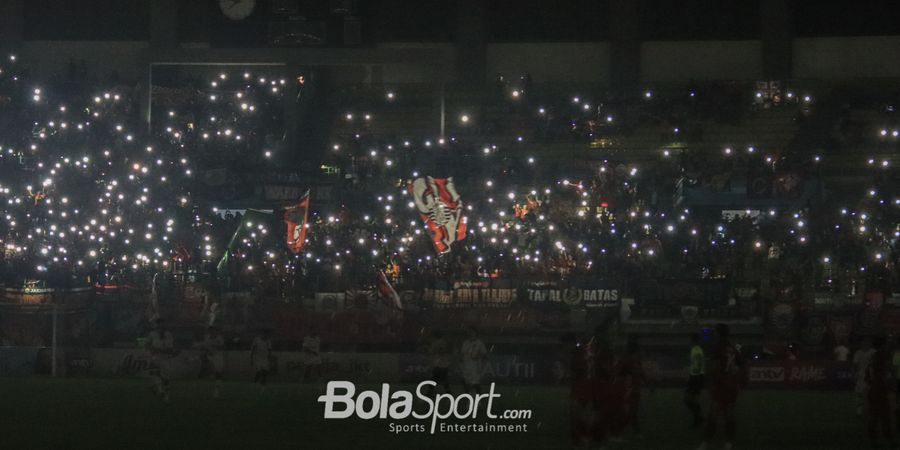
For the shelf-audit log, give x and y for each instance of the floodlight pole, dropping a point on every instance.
(53, 340)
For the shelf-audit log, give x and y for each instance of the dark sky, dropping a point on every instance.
(508, 20)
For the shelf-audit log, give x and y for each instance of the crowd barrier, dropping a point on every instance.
(541, 368)
(801, 374)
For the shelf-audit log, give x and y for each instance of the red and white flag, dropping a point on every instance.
(439, 206)
(295, 221)
(386, 290)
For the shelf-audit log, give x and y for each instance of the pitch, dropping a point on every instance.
(43, 413)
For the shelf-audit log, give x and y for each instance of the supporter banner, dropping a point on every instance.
(493, 293)
(679, 292)
(359, 299)
(439, 206)
(552, 292)
(330, 301)
(487, 293)
(689, 299)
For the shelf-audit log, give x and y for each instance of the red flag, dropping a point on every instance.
(386, 290)
(295, 220)
(441, 210)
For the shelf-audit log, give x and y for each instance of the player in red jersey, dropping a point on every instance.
(727, 377)
(880, 393)
(602, 374)
(627, 391)
(580, 393)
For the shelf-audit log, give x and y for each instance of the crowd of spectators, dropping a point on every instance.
(91, 198)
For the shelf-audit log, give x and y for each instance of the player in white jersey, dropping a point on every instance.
(260, 356)
(440, 352)
(861, 360)
(474, 353)
(312, 358)
(161, 345)
(213, 357)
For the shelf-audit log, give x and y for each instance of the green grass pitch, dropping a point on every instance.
(44, 413)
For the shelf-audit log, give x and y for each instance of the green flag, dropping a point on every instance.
(252, 218)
